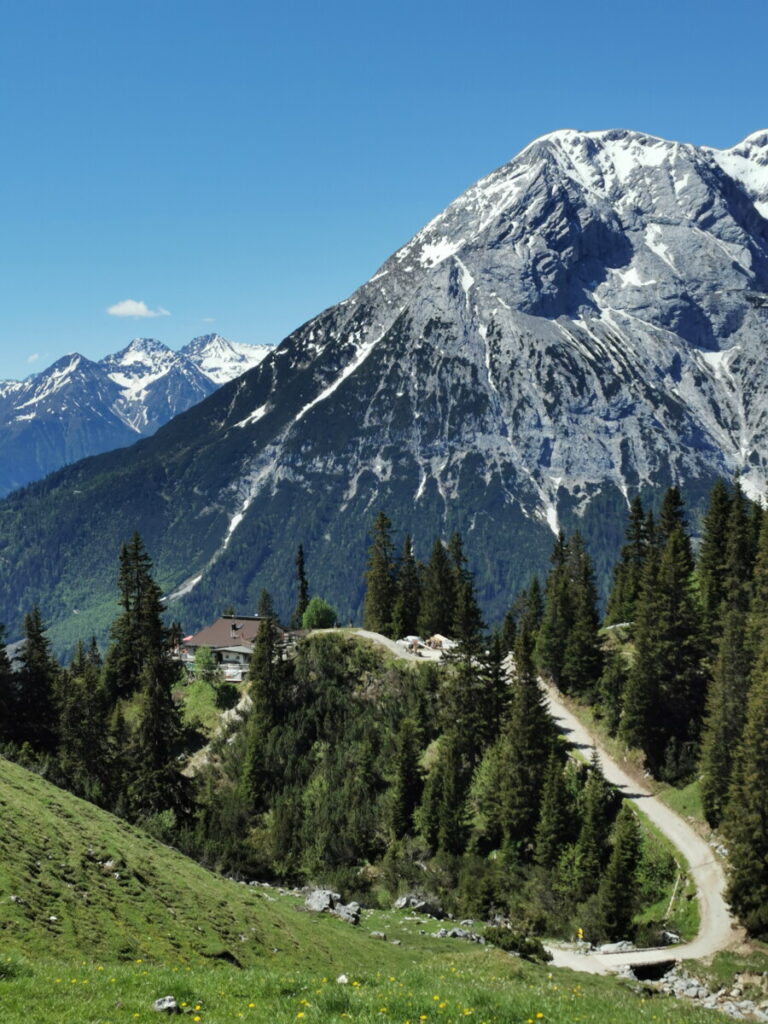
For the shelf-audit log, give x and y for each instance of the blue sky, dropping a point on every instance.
(243, 165)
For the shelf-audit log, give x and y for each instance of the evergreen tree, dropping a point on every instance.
(671, 516)
(381, 578)
(628, 574)
(555, 623)
(746, 821)
(757, 619)
(407, 601)
(407, 786)
(265, 609)
(726, 707)
(157, 785)
(582, 655)
(617, 894)
(527, 740)
(664, 697)
(84, 757)
(710, 567)
(8, 696)
(37, 683)
(595, 827)
(438, 593)
(554, 826)
(138, 636)
(302, 587)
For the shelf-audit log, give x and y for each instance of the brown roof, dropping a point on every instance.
(222, 633)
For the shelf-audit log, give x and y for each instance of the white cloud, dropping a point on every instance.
(209, 319)
(130, 307)
(33, 358)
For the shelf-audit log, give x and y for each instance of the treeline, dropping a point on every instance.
(106, 729)
(373, 776)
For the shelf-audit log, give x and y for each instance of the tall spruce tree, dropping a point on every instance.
(628, 574)
(37, 683)
(592, 844)
(438, 593)
(381, 578)
(582, 656)
(138, 635)
(8, 696)
(726, 709)
(746, 820)
(710, 566)
(665, 692)
(555, 818)
(302, 589)
(617, 893)
(528, 739)
(407, 785)
(408, 598)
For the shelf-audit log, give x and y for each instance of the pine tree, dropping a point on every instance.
(757, 619)
(138, 635)
(438, 593)
(746, 821)
(554, 826)
(726, 708)
(582, 661)
(84, 757)
(628, 574)
(595, 827)
(637, 725)
(671, 516)
(37, 683)
(157, 785)
(302, 587)
(408, 599)
(527, 740)
(555, 622)
(710, 567)
(617, 894)
(381, 578)
(265, 609)
(664, 696)
(407, 785)
(8, 696)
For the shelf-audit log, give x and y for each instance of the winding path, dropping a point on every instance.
(717, 928)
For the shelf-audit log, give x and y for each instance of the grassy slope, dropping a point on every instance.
(161, 928)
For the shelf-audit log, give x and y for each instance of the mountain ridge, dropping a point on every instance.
(585, 323)
(79, 407)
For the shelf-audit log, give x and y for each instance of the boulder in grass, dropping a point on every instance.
(166, 1004)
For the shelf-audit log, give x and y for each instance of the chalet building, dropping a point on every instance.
(230, 639)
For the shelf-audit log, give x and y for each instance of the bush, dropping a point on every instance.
(319, 615)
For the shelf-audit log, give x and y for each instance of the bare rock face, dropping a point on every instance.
(586, 323)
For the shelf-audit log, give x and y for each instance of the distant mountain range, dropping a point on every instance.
(78, 407)
(588, 322)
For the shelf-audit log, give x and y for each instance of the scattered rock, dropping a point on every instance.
(378, 935)
(395, 942)
(342, 979)
(427, 905)
(321, 899)
(166, 1004)
(349, 912)
(616, 947)
(459, 933)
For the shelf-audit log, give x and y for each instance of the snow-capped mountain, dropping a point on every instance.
(221, 360)
(79, 407)
(587, 322)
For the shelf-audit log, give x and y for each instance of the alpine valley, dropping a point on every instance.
(588, 322)
(78, 407)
